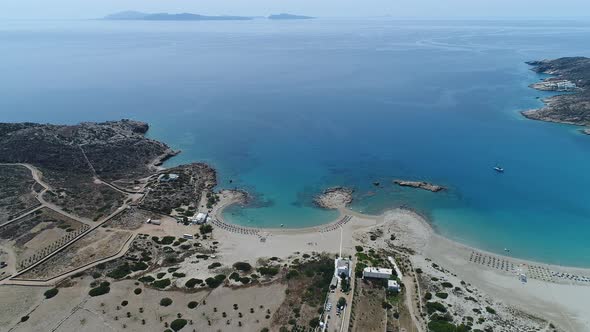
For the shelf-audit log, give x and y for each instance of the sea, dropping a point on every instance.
(285, 109)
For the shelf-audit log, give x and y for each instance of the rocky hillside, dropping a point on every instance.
(570, 75)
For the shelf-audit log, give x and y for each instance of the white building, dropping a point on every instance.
(342, 266)
(392, 285)
(167, 177)
(199, 218)
(377, 272)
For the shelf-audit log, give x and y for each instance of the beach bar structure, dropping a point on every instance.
(392, 285)
(377, 273)
(199, 218)
(342, 266)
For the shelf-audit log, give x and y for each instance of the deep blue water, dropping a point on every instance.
(285, 109)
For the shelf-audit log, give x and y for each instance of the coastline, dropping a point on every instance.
(568, 79)
(558, 300)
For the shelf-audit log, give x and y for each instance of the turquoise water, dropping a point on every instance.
(285, 109)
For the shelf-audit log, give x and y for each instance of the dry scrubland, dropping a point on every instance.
(16, 194)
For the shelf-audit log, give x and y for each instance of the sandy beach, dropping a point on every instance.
(544, 295)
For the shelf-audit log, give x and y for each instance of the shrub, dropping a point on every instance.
(292, 274)
(268, 270)
(214, 265)
(447, 285)
(178, 324)
(432, 307)
(178, 275)
(242, 266)
(442, 295)
(165, 302)
(193, 304)
(191, 283)
(418, 270)
(167, 240)
(428, 296)
(341, 302)
(234, 276)
(315, 322)
(245, 280)
(51, 293)
(146, 279)
(24, 319)
(205, 229)
(160, 275)
(359, 248)
(216, 281)
(137, 291)
(124, 303)
(101, 289)
(163, 283)
(491, 310)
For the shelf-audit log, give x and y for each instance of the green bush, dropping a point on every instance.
(146, 279)
(432, 307)
(191, 283)
(178, 275)
(51, 293)
(193, 304)
(101, 289)
(137, 291)
(442, 295)
(167, 240)
(314, 322)
(216, 281)
(447, 285)
(268, 270)
(242, 266)
(491, 310)
(160, 275)
(428, 296)
(359, 248)
(205, 229)
(165, 302)
(178, 324)
(214, 265)
(162, 283)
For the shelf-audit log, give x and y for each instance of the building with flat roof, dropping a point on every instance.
(167, 177)
(392, 285)
(377, 272)
(199, 218)
(342, 266)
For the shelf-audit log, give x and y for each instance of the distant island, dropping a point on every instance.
(131, 15)
(570, 75)
(134, 15)
(285, 16)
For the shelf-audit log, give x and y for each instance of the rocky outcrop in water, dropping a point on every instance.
(334, 198)
(420, 185)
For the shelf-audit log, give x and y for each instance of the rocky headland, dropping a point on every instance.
(420, 185)
(82, 163)
(572, 76)
(334, 198)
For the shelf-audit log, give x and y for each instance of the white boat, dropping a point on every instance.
(498, 169)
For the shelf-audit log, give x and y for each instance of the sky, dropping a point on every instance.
(78, 9)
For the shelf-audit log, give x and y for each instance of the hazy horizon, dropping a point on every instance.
(419, 9)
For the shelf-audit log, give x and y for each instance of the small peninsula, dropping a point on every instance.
(570, 75)
(285, 16)
(134, 15)
(420, 185)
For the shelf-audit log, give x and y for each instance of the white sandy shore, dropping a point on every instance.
(564, 304)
